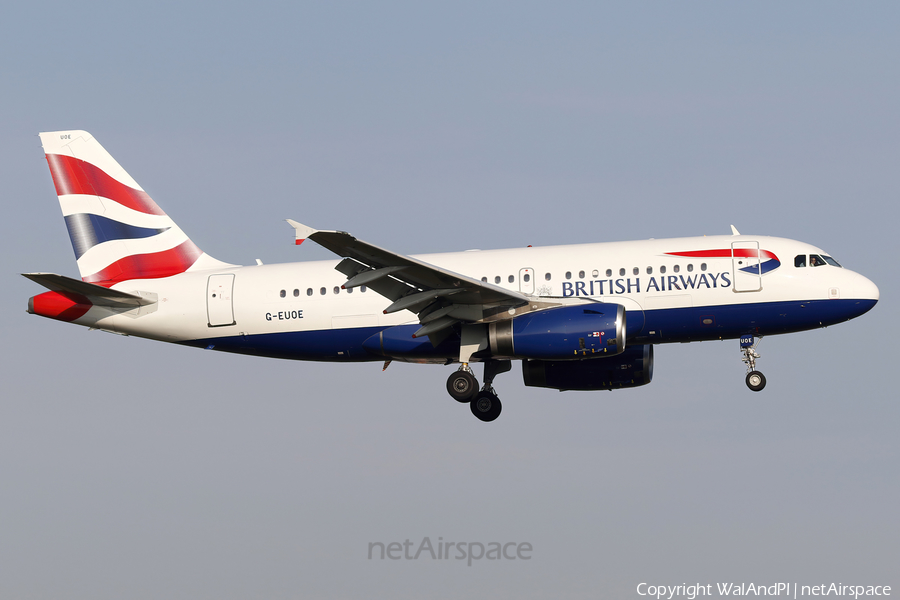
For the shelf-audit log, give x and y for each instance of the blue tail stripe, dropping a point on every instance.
(87, 230)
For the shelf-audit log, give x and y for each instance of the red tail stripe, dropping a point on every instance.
(726, 253)
(148, 266)
(74, 176)
(62, 306)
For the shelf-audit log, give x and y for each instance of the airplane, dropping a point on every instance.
(578, 317)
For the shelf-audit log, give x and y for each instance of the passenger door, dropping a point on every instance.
(219, 305)
(746, 266)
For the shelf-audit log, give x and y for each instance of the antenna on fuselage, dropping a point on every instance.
(734, 231)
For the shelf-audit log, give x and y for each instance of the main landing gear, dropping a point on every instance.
(755, 380)
(463, 387)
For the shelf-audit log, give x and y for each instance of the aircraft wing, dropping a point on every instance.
(440, 297)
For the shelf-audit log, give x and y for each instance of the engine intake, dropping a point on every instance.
(564, 333)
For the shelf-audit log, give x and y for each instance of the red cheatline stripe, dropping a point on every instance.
(726, 253)
(74, 176)
(148, 266)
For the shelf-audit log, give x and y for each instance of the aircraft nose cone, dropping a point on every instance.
(873, 293)
(865, 292)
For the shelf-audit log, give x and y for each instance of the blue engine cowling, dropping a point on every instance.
(564, 333)
(631, 368)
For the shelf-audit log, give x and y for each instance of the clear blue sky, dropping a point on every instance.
(133, 469)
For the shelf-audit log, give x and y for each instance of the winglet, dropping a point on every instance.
(301, 231)
(734, 231)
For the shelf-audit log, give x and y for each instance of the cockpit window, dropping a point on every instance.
(816, 261)
(800, 260)
(831, 261)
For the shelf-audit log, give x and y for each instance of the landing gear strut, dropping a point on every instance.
(755, 380)
(463, 387)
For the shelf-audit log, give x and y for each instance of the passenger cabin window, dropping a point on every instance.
(580, 274)
(497, 279)
(322, 291)
(690, 268)
(547, 276)
(525, 277)
(662, 269)
(309, 292)
(676, 268)
(621, 272)
(512, 278)
(702, 266)
(282, 293)
(484, 279)
(636, 271)
(649, 270)
(609, 272)
(800, 260)
(568, 274)
(296, 293)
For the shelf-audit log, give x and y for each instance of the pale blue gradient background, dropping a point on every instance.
(133, 469)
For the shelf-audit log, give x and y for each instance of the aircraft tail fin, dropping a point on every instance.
(117, 231)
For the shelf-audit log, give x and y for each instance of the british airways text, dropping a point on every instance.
(663, 283)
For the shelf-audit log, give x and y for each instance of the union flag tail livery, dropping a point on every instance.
(117, 231)
(578, 317)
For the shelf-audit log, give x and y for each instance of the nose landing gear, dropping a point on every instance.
(755, 380)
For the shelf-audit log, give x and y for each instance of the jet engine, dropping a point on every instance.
(631, 368)
(564, 333)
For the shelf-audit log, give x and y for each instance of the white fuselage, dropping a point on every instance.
(641, 275)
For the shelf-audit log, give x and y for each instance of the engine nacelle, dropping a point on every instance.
(564, 333)
(631, 368)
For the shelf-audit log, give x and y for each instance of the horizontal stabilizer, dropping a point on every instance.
(97, 294)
